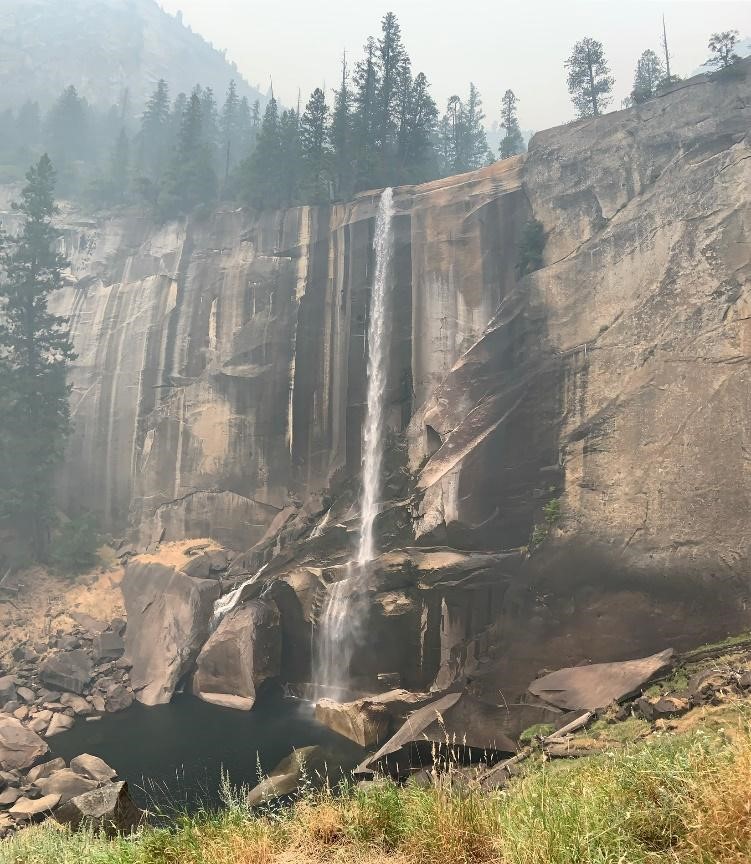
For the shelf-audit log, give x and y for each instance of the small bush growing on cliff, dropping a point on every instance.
(531, 246)
(75, 546)
(552, 513)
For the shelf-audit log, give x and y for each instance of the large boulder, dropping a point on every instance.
(600, 684)
(368, 721)
(243, 652)
(70, 671)
(20, 748)
(109, 809)
(27, 808)
(67, 784)
(92, 767)
(287, 775)
(168, 621)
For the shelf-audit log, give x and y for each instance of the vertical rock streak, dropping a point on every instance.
(341, 619)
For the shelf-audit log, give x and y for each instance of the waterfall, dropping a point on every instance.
(344, 607)
(224, 605)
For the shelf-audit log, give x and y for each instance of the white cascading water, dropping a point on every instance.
(343, 611)
(224, 605)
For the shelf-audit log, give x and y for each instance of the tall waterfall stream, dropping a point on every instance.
(343, 611)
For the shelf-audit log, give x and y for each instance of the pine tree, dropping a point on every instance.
(418, 131)
(67, 134)
(314, 149)
(154, 136)
(649, 76)
(190, 179)
(261, 173)
(589, 80)
(512, 142)
(722, 45)
(230, 130)
(391, 61)
(341, 138)
(365, 119)
(35, 351)
(291, 158)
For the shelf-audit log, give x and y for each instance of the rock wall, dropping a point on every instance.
(603, 398)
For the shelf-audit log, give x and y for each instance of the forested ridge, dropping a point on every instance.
(379, 126)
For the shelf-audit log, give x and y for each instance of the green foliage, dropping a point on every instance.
(589, 80)
(552, 513)
(648, 78)
(75, 545)
(539, 730)
(513, 141)
(669, 800)
(531, 247)
(463, 145)
(35, 351)
(722, 45)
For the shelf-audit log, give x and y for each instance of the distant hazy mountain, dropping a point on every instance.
(103, 47)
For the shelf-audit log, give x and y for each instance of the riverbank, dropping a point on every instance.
(679, 798)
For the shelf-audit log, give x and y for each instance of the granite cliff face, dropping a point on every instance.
(220, 385)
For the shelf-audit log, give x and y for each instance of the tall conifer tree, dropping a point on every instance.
(35, 351)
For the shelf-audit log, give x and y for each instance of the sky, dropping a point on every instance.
(520, 45)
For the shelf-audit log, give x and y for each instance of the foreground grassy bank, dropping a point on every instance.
(681, 798)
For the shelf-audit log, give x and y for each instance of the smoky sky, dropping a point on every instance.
(520, 45)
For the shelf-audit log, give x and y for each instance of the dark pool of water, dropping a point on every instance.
(173, 755)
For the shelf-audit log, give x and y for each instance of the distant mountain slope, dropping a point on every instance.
(103, 47)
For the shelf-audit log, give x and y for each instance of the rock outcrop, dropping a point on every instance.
(168, 622)
(243, 652)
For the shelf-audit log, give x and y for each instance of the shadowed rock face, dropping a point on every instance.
(243, 652)
(221, 381)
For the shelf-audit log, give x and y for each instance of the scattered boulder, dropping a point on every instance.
(46, 769)
(59, 723)
(26, 809)
(20, 747)
(93, 768)
(598, 685)
(243, 652)
(8, 691)
(9, 796)
(286, 777)
(108, 646)
(118, 698)
(198, 567)
(66, 783)
(26, 694)
(109, 809)
(662, 707)
(78, 704)
(70, 671)
(705, 684)
(168, 621)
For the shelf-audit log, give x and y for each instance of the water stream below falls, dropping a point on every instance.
(343, 610)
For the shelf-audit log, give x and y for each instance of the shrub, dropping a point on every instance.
(531, 247)
(75, 546)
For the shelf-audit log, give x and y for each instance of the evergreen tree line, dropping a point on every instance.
(380, 126)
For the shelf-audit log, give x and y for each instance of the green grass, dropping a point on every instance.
(670, 800)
